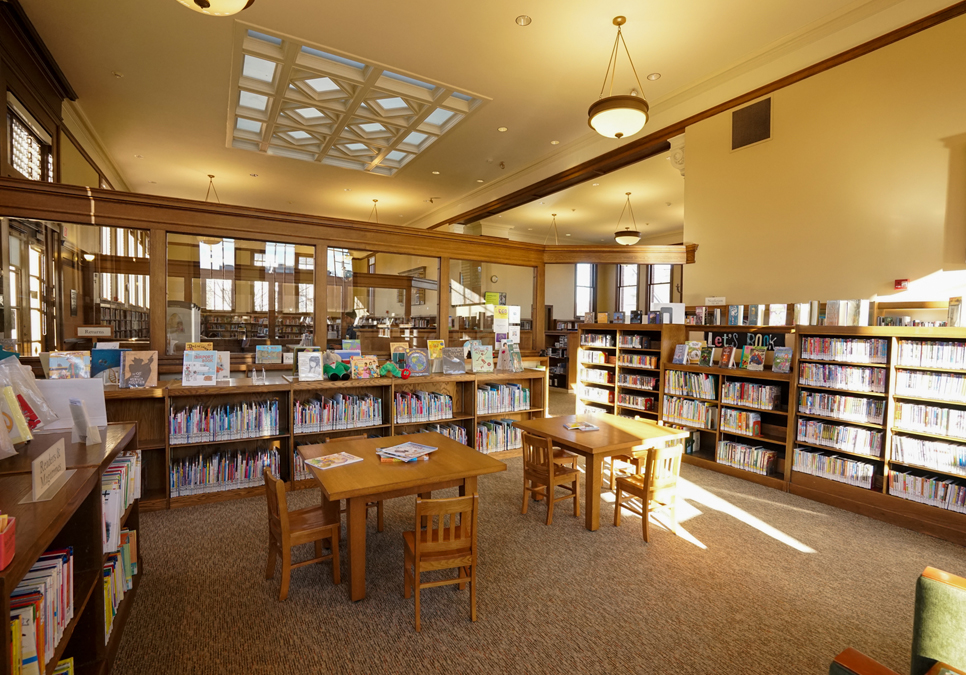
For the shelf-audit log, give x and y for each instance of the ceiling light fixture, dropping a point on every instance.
(89, 257)
(554, 142)
(654, 76)
(501, 129)
(479, 180)
(253, 175)
(595, 184)
(553, 228)
(218, 7)
(436, 173)
(375, 211)
(623, 115)
(627, 236)
(523, 20)
(211, 188)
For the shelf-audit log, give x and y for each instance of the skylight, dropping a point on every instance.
(310, 113)
(409, 80)
(439, 116)
(299, 135)
(265, 38)
(248, 125)
(332, 57)
(372, 127)
(415, 138)
(254, 101)
(258, 69)
(396, 155)
(392, 103)
(322, 84)
(356, 146)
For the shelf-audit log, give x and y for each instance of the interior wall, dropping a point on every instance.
(74, 167)
(559, 281)
(848, 195)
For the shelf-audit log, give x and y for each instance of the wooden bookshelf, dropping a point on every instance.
(562, 352)
(72, 518)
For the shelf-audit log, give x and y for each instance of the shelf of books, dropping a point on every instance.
(76, 561)
(129, 322)
(733, 394)
(619, 367)
(880, 424)
(561, 348)
(148, 408)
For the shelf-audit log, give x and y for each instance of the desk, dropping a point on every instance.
(452, 465)
(616, 436)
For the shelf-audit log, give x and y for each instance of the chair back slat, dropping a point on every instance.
(663, 470)
(537, 453)
(451, 525)
(277, 502)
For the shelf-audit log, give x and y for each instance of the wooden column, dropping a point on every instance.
(321, 329)
(537, 314)
(7, 308)
(444, 299)
(158, 247)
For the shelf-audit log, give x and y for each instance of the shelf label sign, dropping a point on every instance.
(95, 331)
(717, 300)
(49, 471)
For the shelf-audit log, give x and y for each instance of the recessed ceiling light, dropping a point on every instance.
(567, 235)
(554, 142)
(479, 180)
(654, 76)
(501, 129)
(523, 20)
(347, 190)
(153, 182)
(117, 74)
(596, 184)
(139, 156)
(436, 173)
(253, 175)
(529, 228)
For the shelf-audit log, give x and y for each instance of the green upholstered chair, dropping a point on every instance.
(938, 633)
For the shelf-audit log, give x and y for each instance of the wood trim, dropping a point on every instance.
(859, 663)
(642, 255)
(657, 142)
(538, 316)
(443, 297)
(158, 290)
(41, 57)
(321, 323)
(945, 578)
(80, 148)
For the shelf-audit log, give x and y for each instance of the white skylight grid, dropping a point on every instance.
(312, 104)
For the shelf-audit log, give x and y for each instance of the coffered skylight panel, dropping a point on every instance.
(294, 98)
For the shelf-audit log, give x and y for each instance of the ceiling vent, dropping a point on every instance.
(751, 124)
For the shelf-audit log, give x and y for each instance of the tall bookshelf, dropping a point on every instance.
(562, 351)
(128, 322)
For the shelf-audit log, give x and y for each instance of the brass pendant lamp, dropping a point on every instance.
(623, 115)
(627, 236)
(217, 7)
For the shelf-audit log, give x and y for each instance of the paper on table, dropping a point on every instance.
(58, 394)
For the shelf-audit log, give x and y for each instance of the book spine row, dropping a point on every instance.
(590, 356)
(690, 413)
(846, 408)
(852, 350)
(932, 354)
(41, 607)
(454, 431)
(852, 439)
(596, 340)
(120, 486)
(747, 457)
(200, 424)
(498, 398)
(646, 403)
(118, 573)
(601, 376)
(638, 360)
(639, 381)
(597, 394)
(851, 378)
(946, 493)
(750, 395)
(931, 419)
(221, 471)
(301, 471)
(498, 435)
(343, 411)
(943, 386)
(833, 467)
(741, 422)
(635, 341)
(947, 457)
(699, 385)
(422, 406)
(589, 409)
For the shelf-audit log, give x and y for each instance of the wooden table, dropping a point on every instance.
(452, 465)
(616, 436)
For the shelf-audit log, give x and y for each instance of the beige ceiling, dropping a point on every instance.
(172, 107)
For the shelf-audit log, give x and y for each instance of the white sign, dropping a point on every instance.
(715, 300)
(514, 313)
(49, 472)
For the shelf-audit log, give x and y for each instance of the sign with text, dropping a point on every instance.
(95, 331)
(716, 300)
(49, 473)
(744, 339)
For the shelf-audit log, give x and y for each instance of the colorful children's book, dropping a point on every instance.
(694, 352)
(757, 359)
(589, 317)
(727, 357)
(453, 361)
(680, 354)
(352, 345)
(268, 353)
(364, 367)
(745, 357)
(417, 360)
(516, 358)
(783, 360)
(435, 348)
(736, 315)
(482, 359)
(69, 365)
(139, 369)
(601, 317)
(332, 461)
(706, 355)
(199, 346)
(309, 366)
(619, 317)
(199, 369)
(106, 364)
(468, 348)
(224, 366)
(637, 316)
(397, 351)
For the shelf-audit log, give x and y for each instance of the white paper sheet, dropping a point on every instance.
(58, 394)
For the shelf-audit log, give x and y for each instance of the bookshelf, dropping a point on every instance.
(237, 325)
(561, 349)
(129, 322)
(72, 518)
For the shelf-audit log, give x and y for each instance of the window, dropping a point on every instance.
(28, 153)
(340, 261)
(626, 288)
(659, 284)
(586, 284)
(217, 261)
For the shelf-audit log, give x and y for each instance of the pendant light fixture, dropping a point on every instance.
(627, 236)
(623, 115)
(218, 7)
(375, 211)
(553, 228)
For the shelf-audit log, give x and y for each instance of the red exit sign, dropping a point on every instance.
(902, 284)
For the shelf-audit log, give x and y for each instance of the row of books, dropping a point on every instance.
(690, 413)
(747, 457)
(454, 431)
(932, 354)
(752, 395)
(422, 406)
(634, 316)
(907, 321)
(634, 341)
(589, 408)
(646, 403)
(833, 467)
(342, 411)
(599, 376)
(637, 381)
(850, 378)
(597, 340)
(851, 439)
(842, 407)
(591, 356)
(224, 470)
(946, 493)
(638, 360)
(947, 457)
(120, 486)
(682, 383)
(741, 422)
(498, 398)
(852, 350)
(119, 570)
(943, 386)
(931, 419)
(498, 435)
(41, 607)
(596, 394)
(123, 367)
(203, 424)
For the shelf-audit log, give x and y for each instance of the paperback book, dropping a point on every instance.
(69, 365)
(417, 360)
(618, 317)
(777, 314)
(680, 354)
(783, 360)
(727, 357)
(453, 361)
(224, 366)
(756, 359)
(637, 316)
(581, 426)
(268, 354)
(397, 351)
(694, 352)
(406, 451)
(332, 461)
(106, 364)
(468, 348)
(482, 359)
(139, 369)
(707, 354)
(736, 315)
(199, 369)
(364, 367)
(352, 345)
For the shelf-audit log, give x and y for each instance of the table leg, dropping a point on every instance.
(468, 487)
(356, 512)
(594, 466)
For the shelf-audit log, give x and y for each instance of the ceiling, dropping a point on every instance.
(166, 121)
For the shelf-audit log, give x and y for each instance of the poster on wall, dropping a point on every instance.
(501, 319)
(514, 313)
(514, 334)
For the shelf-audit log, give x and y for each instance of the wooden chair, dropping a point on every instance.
(291, 528)
(657, 488)
(380, 524)
(442, 545)
(627, 459)
(542, 474)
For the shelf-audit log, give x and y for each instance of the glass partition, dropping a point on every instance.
(238, 294)
(477, 289)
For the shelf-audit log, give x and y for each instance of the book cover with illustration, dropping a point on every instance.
(69, 365)
(756, 361)
(332, 461)
(453, 361)
(397, 352)
(199, 369)
(352, 345)
(106, 364)
(435, 348)
(482, 359)
(736, 315)
(637, 316)
(706, 355)
(601, 317)
(468, 348)
(268, 353)
(364, 367)
(680, 354)
(745, 356)
(139, 369)
(224, 366)
(752, 315)
(417, 360)
(199, 346)
(777, 315)
(694, 352)
(727, 357)
(309, 366)
(302, 349)
(619, 317)
(783, 360)
(516, 358)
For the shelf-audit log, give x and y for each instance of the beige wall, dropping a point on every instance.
(559, 284)
(848, 195)
(74, 167)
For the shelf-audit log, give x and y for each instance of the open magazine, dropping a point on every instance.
(330, 461)
(581, 426)
(406, 451)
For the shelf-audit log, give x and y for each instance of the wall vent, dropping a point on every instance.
(751, 124)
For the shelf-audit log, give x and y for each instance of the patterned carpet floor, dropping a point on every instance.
(759, 582)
